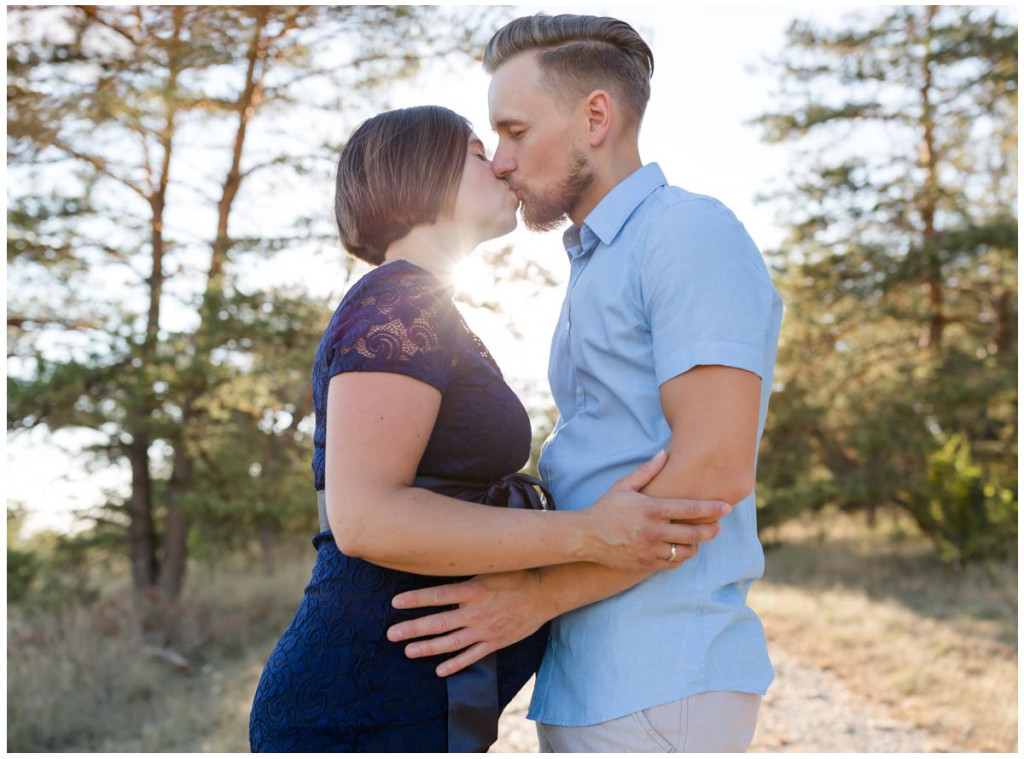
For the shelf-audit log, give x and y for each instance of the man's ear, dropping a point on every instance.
(599, 111)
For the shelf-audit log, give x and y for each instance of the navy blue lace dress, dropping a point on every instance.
(334, 682)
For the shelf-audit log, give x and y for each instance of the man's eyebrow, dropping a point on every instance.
(506, 122)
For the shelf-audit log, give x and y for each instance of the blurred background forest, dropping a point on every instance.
(160, 161)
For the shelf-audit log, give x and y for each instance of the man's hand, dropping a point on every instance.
(499, 609)
(495, 611)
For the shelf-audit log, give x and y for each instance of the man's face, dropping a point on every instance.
(541, 143)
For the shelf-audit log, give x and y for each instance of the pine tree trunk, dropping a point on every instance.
(142, 541)
(140, 531)
(931, 336)
(169, 575)
(176, 526)
(1004, 332)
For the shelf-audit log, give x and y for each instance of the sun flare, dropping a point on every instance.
(474, 277)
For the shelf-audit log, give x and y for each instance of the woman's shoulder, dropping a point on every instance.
(398, 289)
(397, 311)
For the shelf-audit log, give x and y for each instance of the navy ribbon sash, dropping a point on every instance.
(473, 708)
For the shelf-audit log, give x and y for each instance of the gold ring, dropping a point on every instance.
(671, 551)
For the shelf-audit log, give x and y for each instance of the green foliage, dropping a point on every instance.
(788, 485)
(22, 565)
(52, 571)
(153, 154)
(967, 512)
(22, 568)
(900, 269)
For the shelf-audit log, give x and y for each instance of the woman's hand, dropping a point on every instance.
(633, 532)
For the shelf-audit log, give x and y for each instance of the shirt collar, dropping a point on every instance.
(610, 215)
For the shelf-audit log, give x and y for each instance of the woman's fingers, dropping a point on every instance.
(691, 511)
(672, 559)
(640, 477)
(675, 509)
(682, 541)
(690, 534)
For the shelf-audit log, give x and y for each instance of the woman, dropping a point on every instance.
(410, 410)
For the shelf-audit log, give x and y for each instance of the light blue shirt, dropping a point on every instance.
(661, 280)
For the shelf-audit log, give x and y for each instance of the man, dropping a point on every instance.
(666, 339)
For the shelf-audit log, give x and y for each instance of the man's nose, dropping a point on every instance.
(502, 164)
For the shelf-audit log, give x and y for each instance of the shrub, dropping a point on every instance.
(23, 564)
(968, 513)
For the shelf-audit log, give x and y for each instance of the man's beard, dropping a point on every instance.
(547, 210)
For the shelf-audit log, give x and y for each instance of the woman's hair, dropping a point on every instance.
(399, 169)
(579, 54)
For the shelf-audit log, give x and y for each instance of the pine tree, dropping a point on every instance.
(900, 266)
(152, 153)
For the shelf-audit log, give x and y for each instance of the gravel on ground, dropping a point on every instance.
(805, 710)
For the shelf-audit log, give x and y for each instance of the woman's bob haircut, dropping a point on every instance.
(399, 169)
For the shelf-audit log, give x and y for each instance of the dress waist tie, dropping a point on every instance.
(473, 706)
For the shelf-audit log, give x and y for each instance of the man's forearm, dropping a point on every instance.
(565, 587)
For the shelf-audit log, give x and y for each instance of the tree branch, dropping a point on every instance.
(100, 165)
(90, 12)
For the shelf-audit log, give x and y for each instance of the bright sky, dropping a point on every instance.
(703, 92)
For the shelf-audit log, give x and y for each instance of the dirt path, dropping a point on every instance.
(805, 710)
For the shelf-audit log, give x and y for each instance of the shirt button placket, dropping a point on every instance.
(576, 269)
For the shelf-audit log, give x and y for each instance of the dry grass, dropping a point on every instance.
(935, 646)
(77, 681)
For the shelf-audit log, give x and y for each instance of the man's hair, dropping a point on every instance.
(399, 169)
(578, 54)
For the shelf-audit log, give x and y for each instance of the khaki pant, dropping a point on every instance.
(716, 721)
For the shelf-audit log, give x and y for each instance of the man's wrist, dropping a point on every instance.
(549, 593)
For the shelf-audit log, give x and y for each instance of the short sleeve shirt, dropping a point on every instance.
(661, 280)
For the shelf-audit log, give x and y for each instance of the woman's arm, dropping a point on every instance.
(713, 414)
(378, 425)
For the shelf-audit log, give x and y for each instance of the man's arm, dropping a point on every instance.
(713, 414)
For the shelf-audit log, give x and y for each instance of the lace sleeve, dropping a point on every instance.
(399, 326)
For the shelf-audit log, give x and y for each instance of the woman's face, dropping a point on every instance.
(485, 206)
